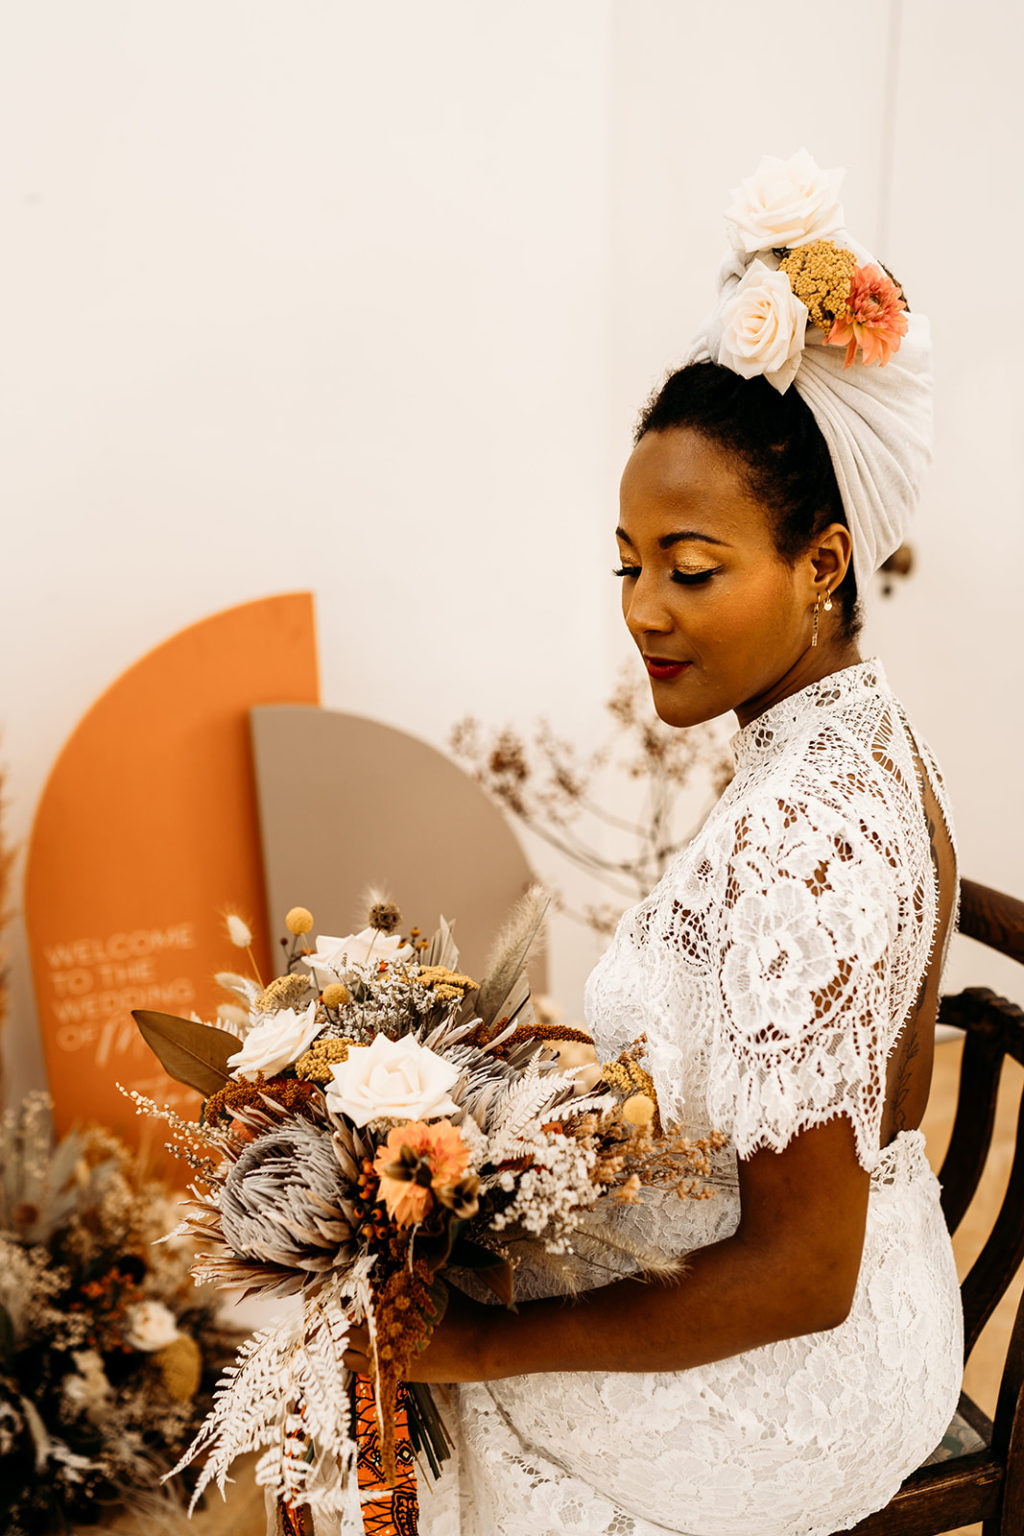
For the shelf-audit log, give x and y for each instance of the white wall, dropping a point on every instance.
(921, 101)
(365, 298)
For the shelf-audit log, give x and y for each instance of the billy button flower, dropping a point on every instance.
(299, 922)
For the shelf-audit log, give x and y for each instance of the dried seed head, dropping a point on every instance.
(299, 920)
(335, 995)
(384, 916)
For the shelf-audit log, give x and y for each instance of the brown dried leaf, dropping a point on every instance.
(191, 1053)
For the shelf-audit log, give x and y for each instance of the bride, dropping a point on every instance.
(785, 970)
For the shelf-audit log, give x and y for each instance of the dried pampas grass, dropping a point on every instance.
(504, 979)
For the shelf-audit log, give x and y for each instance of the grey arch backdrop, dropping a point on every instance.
(346, 803)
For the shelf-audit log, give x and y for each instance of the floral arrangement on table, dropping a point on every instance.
(800, 278)
(556, 793)
(107, 1353)
(382, 1126)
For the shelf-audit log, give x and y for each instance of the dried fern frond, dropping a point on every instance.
(288, 1396)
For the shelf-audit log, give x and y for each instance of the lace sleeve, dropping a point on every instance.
(804, 952)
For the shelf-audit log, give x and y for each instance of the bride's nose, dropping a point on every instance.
(645, 608)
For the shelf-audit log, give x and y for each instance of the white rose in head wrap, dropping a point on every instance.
(785, 203)
(763, 327)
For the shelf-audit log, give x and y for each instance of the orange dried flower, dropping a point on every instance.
(875, 318)
(416, 1160)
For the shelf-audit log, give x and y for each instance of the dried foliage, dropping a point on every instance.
(546, 785)
(107, 1353)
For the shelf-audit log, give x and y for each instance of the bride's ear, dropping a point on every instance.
(829, 554)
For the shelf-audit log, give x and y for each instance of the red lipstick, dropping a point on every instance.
(663, 669)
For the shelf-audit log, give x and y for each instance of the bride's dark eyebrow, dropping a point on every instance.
(668, 539)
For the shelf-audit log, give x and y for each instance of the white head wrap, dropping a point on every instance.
(875, 418)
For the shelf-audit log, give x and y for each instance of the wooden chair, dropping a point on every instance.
(982, 1476)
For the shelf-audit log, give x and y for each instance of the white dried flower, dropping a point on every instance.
(334, 958)
(86, 1389)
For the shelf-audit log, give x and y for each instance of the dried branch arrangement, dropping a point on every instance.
(558, 794)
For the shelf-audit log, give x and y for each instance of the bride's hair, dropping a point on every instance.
(783, 457)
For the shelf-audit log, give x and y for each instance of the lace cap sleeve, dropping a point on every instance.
(803, 955)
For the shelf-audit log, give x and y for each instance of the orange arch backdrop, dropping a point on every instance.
(147, 826)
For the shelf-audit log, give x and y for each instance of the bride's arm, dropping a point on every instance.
(790, 1268)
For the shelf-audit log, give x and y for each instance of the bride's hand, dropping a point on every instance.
(455, 1351)
(455, 1348)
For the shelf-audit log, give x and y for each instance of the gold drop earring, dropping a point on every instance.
(817, 609)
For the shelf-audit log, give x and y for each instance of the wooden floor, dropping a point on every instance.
(242, 1514)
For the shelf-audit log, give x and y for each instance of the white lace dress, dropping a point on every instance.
(771, 970)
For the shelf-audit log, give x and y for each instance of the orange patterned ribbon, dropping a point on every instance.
(395, 1511)
(293, 1520)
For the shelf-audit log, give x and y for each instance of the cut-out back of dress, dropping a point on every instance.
(909, 1068)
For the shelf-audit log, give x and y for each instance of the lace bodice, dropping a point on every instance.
(792, 934)
(771, 971)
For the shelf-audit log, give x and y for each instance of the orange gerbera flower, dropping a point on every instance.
(416, 1160)
(875, 318)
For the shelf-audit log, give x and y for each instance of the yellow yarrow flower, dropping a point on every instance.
(314, 1066)
(820, 275)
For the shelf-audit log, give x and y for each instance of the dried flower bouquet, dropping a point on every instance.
(380, 1127)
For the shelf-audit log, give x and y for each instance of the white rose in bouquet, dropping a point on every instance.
(150, 1326)
(785, 203)
(391, 1079)
(763, 327)
(275, 1042)
(334, 957)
